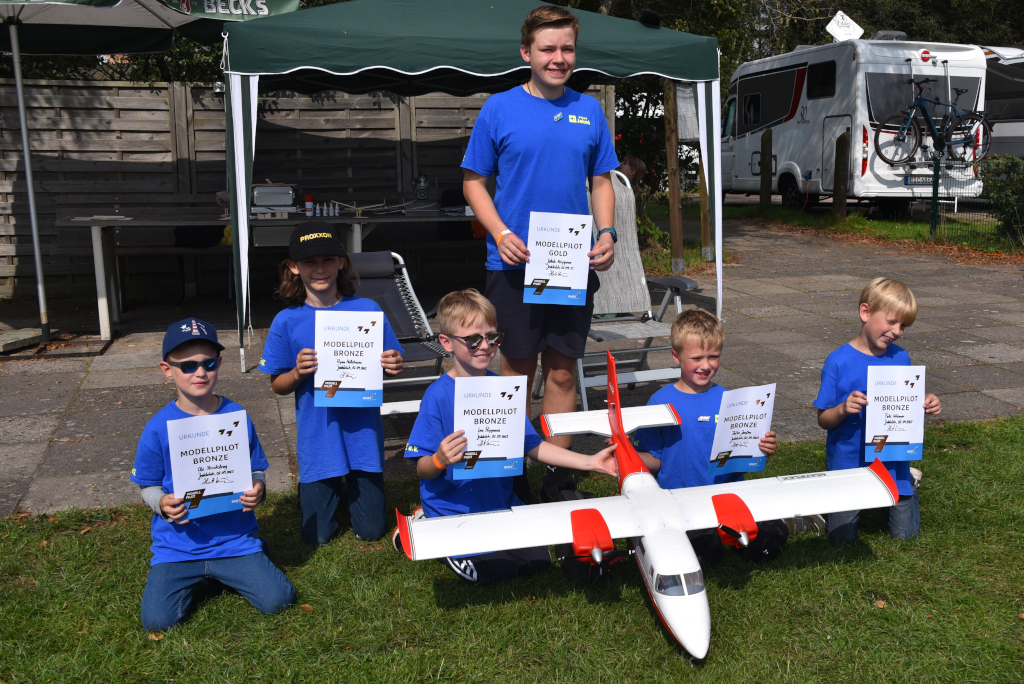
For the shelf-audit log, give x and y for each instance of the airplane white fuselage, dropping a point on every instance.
(668, 564)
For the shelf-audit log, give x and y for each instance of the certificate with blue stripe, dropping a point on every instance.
(558, 267)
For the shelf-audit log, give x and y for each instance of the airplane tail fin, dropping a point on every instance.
(626, 458)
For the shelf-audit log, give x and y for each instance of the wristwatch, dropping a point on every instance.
(615, 236)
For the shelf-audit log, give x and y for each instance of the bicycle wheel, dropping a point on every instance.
(897, 139)
(970, 139)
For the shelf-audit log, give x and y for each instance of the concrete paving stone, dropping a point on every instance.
(785, 403)
(834, 334)
(1017, 368)
(798, 425)
(749, 355)
(763, 373)
(1013, 317)
(806, 351)
(36, 428)
(920, 325)
(276, 441)
(1012, 395)
(804, 321)
(984, 377)
(109, 455)
(17, 466)
(27, 395)
(992, 353)
(263, 412)
(937, 358)
(147, 396)
(90, 490)
(134, 358)
(246, 389)
(278, 479)
(728, 379)
(803, 392)
(940, 385)
(775, 311)
(775, 337)
(942, 339)
(133, 377)
(1008, 307)
(759, 287)
(104, 424)
(975, 406)
(991, 299)
(44, 366)
(1010, 334)
(733, 321)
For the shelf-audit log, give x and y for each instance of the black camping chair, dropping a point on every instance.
(384, 278)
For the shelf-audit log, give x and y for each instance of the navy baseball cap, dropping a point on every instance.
(314, 238)
(189, 330)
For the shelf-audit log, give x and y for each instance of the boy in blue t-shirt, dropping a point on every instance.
(222, 546)
(887, 308)
(679, 455)
(468, 324)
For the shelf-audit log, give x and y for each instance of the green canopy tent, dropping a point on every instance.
(459, 47)
(94, 27)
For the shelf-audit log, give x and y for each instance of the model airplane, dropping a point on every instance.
(655, 520)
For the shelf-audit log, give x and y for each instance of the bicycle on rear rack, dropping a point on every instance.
(966, 133)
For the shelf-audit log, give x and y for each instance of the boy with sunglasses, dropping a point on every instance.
(468, 324)
(224, 546)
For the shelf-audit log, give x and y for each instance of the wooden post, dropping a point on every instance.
(766, 172)
(675, 215)
(840, 176)
(707, 245)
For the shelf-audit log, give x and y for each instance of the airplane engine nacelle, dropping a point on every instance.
(736, 525)
(590, 535)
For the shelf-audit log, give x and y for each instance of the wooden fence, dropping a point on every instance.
(126, 142)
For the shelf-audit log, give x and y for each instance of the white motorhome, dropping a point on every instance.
(810, 96)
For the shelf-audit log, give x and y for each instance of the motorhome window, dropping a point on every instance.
(670, 585)
(727, 120)
(821, 80)
(890, 94)
(694, 582)
(752, 109)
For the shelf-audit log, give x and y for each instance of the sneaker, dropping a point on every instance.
(915, 477)
(396, 538)
(815, 524)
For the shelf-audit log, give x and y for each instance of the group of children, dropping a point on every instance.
(341, 450)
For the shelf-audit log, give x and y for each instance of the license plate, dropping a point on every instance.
(917, 180)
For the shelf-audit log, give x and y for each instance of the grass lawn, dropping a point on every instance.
(946, 608)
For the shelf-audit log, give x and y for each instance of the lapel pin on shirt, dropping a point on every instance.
(558, 116)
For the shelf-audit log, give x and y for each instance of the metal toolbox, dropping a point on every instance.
(268, 198)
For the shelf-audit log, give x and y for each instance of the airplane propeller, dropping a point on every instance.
(742, 537)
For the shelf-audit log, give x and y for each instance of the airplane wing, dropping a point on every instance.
(516, 528)
(596, 422)
(789, 496)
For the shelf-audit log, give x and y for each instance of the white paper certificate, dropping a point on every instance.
(348, 349)
(491, 411)
(894, 418)
(559, 266)
(210, 461)
(743, 419)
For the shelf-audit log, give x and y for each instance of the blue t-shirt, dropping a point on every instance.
(221, 535)
(542, 153)
(685, 449)
(444, 495)
(330, 441)
(846, 371)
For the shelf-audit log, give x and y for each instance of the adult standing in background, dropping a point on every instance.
(543, 142)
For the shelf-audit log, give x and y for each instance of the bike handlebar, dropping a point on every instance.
(922, 82)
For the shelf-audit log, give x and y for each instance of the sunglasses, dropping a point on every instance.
(474, 341)
(193, 366)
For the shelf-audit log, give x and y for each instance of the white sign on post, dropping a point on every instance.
(743, 419)
(348, 348)
(558, 268)
(490, 410)
(210, 461)
(894, 418)
(843, 28)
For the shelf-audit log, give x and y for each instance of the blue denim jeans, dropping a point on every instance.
(904, 521)
(170, 587)
(319, 501)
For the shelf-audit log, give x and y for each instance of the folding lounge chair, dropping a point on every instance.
(384, 278)
(624, 292)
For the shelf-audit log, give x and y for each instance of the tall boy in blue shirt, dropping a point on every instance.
(679, 455)
(887, 309)
(468, 324)
(223, 546)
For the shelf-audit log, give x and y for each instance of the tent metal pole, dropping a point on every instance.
(44, 316)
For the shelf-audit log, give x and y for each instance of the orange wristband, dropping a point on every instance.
(437, 463)
(500, 236)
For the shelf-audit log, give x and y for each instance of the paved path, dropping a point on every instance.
(68, 428)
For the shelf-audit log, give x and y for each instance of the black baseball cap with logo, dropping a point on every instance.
(313, 238)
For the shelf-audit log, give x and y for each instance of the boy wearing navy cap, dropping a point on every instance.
(224, 546)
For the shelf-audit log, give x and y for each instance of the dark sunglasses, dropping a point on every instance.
(474, 341)
(193, 366)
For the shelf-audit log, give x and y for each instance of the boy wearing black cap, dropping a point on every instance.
(223, 546)
(340, 450)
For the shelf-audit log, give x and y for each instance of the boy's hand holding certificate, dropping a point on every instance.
(348, 348)
(210, 462)
(894, 420)
(558, 268)
(743, 419)
(490, 410)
